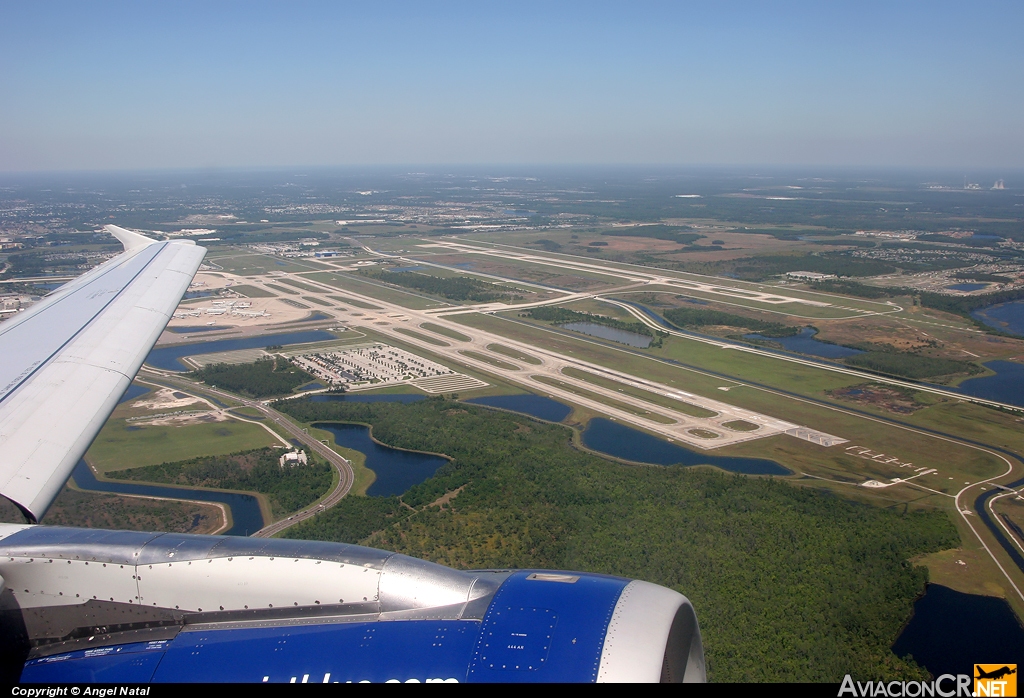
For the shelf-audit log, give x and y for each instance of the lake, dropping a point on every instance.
(805, 343)
(533, 405)
(614, 439)
(245, 509)
(950, 631)
(396, 470)
(1007, 317)
(604, 332)
(1006, 386)
(404, 398)
(168, 358)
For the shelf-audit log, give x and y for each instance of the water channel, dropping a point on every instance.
(168, 358)
(614, 439)
(245, 509)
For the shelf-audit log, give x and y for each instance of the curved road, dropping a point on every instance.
(345, 474)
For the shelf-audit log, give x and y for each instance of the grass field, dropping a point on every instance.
(514, 354)
(497, 363)
(450, 334)
(422, 337)
(602, 399)
(663, 400)
(121, 445)
(388, 294)
(317, 300)
(252, 291)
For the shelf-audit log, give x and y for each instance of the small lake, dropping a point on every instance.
(167, 358)
(967, 287)
(245, 509)
(193, 329)
(604, 332)
(404, 398)
(316, 317)
(614, 439)
(312, 386)
(1007, 317)
(1006, 386)
(197, 294)
(396, 470)
(133, 392)
(534, 405)
(805, 343)
(950, 631)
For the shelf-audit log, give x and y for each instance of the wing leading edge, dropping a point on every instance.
(67, 361)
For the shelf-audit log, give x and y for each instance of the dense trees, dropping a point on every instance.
(789, 583)
(674, 233)
(697, 318)
(270, 376)
(288, 488)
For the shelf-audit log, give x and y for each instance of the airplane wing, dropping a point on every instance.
(67, 361)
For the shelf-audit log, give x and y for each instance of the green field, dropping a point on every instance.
(122, 445)
(252, 291)
(450, 334)
(497, 363)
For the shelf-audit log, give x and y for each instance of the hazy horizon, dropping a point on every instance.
(121, 86)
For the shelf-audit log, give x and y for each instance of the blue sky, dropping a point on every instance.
(161, 85)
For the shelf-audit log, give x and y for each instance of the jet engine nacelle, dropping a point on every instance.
(84, 605)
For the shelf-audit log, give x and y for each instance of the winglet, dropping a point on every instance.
(129, 238)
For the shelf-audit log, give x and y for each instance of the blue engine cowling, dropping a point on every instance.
(404, 620)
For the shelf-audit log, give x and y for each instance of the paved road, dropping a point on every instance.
(345, 475)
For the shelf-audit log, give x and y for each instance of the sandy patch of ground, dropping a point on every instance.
(165, 399)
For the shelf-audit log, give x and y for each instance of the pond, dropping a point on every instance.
(404, 398)
(614, 439)
(1006, 386)
(950, 631)
(805, 343)
(1006, 317)
(245, 509)
(168, 358)
(604, 332)
(534, 405)
(396, 470)
(316, 317)
(134, 391)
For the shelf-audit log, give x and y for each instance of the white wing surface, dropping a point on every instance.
(66, 362)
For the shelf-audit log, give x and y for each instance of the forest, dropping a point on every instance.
(459, 288)
(674, 233)
(263, 378)
(904, 364)
(697, 318)
(288, 488)
(790, 583)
